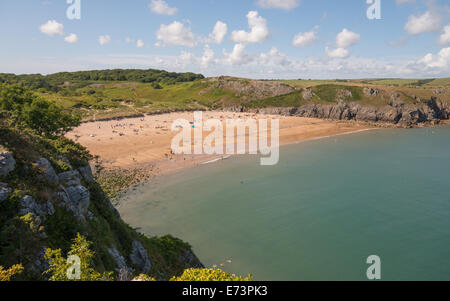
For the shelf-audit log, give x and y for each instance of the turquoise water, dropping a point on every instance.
(319, 213)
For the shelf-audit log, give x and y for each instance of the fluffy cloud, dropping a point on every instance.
(337, 53)
(238, 56)
(280, 4)
(427, 22)
(175, 34)
(103, 40)
(207, 58)
(444, 38)
(259, 32)
(304, 39)
(347, 38)
(72, 38)
(140, 44)
(162, 8)
(52, 28)
(219, 32)
(274, 58)
(439, 61)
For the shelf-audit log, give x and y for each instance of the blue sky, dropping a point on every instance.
(254, 38)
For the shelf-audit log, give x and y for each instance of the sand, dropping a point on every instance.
(140, 142)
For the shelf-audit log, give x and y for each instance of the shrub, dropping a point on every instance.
(6, 275)
(59, 265)
(209, 275)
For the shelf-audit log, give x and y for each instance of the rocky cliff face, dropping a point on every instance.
(396, 112)
(72, 199)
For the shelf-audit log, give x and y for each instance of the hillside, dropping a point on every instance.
(51, 207)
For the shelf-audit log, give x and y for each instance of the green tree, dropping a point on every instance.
(23, 108)
(59, 265)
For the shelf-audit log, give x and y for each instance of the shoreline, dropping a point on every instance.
(133, 151)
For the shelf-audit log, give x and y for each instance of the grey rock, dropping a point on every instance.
(120, 261)
(4, 193)
(46, 171)
(139, 258)
(86, 173)
(29, 205)
(79, 199)
(70, 178)
(7, 164)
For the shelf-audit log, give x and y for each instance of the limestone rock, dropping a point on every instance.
(4, 193)
(46, 171)
(7, 164)
(122, 266)
(29, 205)
(70, 178)
(139, 258)
(86, 173)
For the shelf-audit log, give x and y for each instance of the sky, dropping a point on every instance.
(264, 39)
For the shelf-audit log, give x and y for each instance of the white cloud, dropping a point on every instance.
(219, 32)
(175, 34)
(259, 32)
(347, 38)
(162, 8)
(439, 61)
(52, 28)
(274, 58)
(140, 44)
(444, 38)
(304, 39)
(207, 58)
(238, 56)
(427, 22)
(280, 4)
(337, 53)
(103, 40)
(72, 38)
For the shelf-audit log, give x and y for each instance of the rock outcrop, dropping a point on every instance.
(7, 164)
(29, 205)
(74, 196)
(122, 267)
(139, 258)
(5, 191)
(396, 112)
(86, 173)
(46, 171)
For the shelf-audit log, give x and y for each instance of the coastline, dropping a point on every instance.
(133, 151)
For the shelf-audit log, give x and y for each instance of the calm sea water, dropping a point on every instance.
(319, 213)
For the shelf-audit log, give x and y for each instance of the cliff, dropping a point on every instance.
(375, 106)
(48, 195)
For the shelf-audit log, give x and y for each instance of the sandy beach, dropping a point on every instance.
(146, 142)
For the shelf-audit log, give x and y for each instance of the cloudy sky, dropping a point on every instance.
(250, 38)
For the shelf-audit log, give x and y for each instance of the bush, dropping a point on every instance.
(60, 266)
(6, 275)
(27, 110)
(209, 275)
